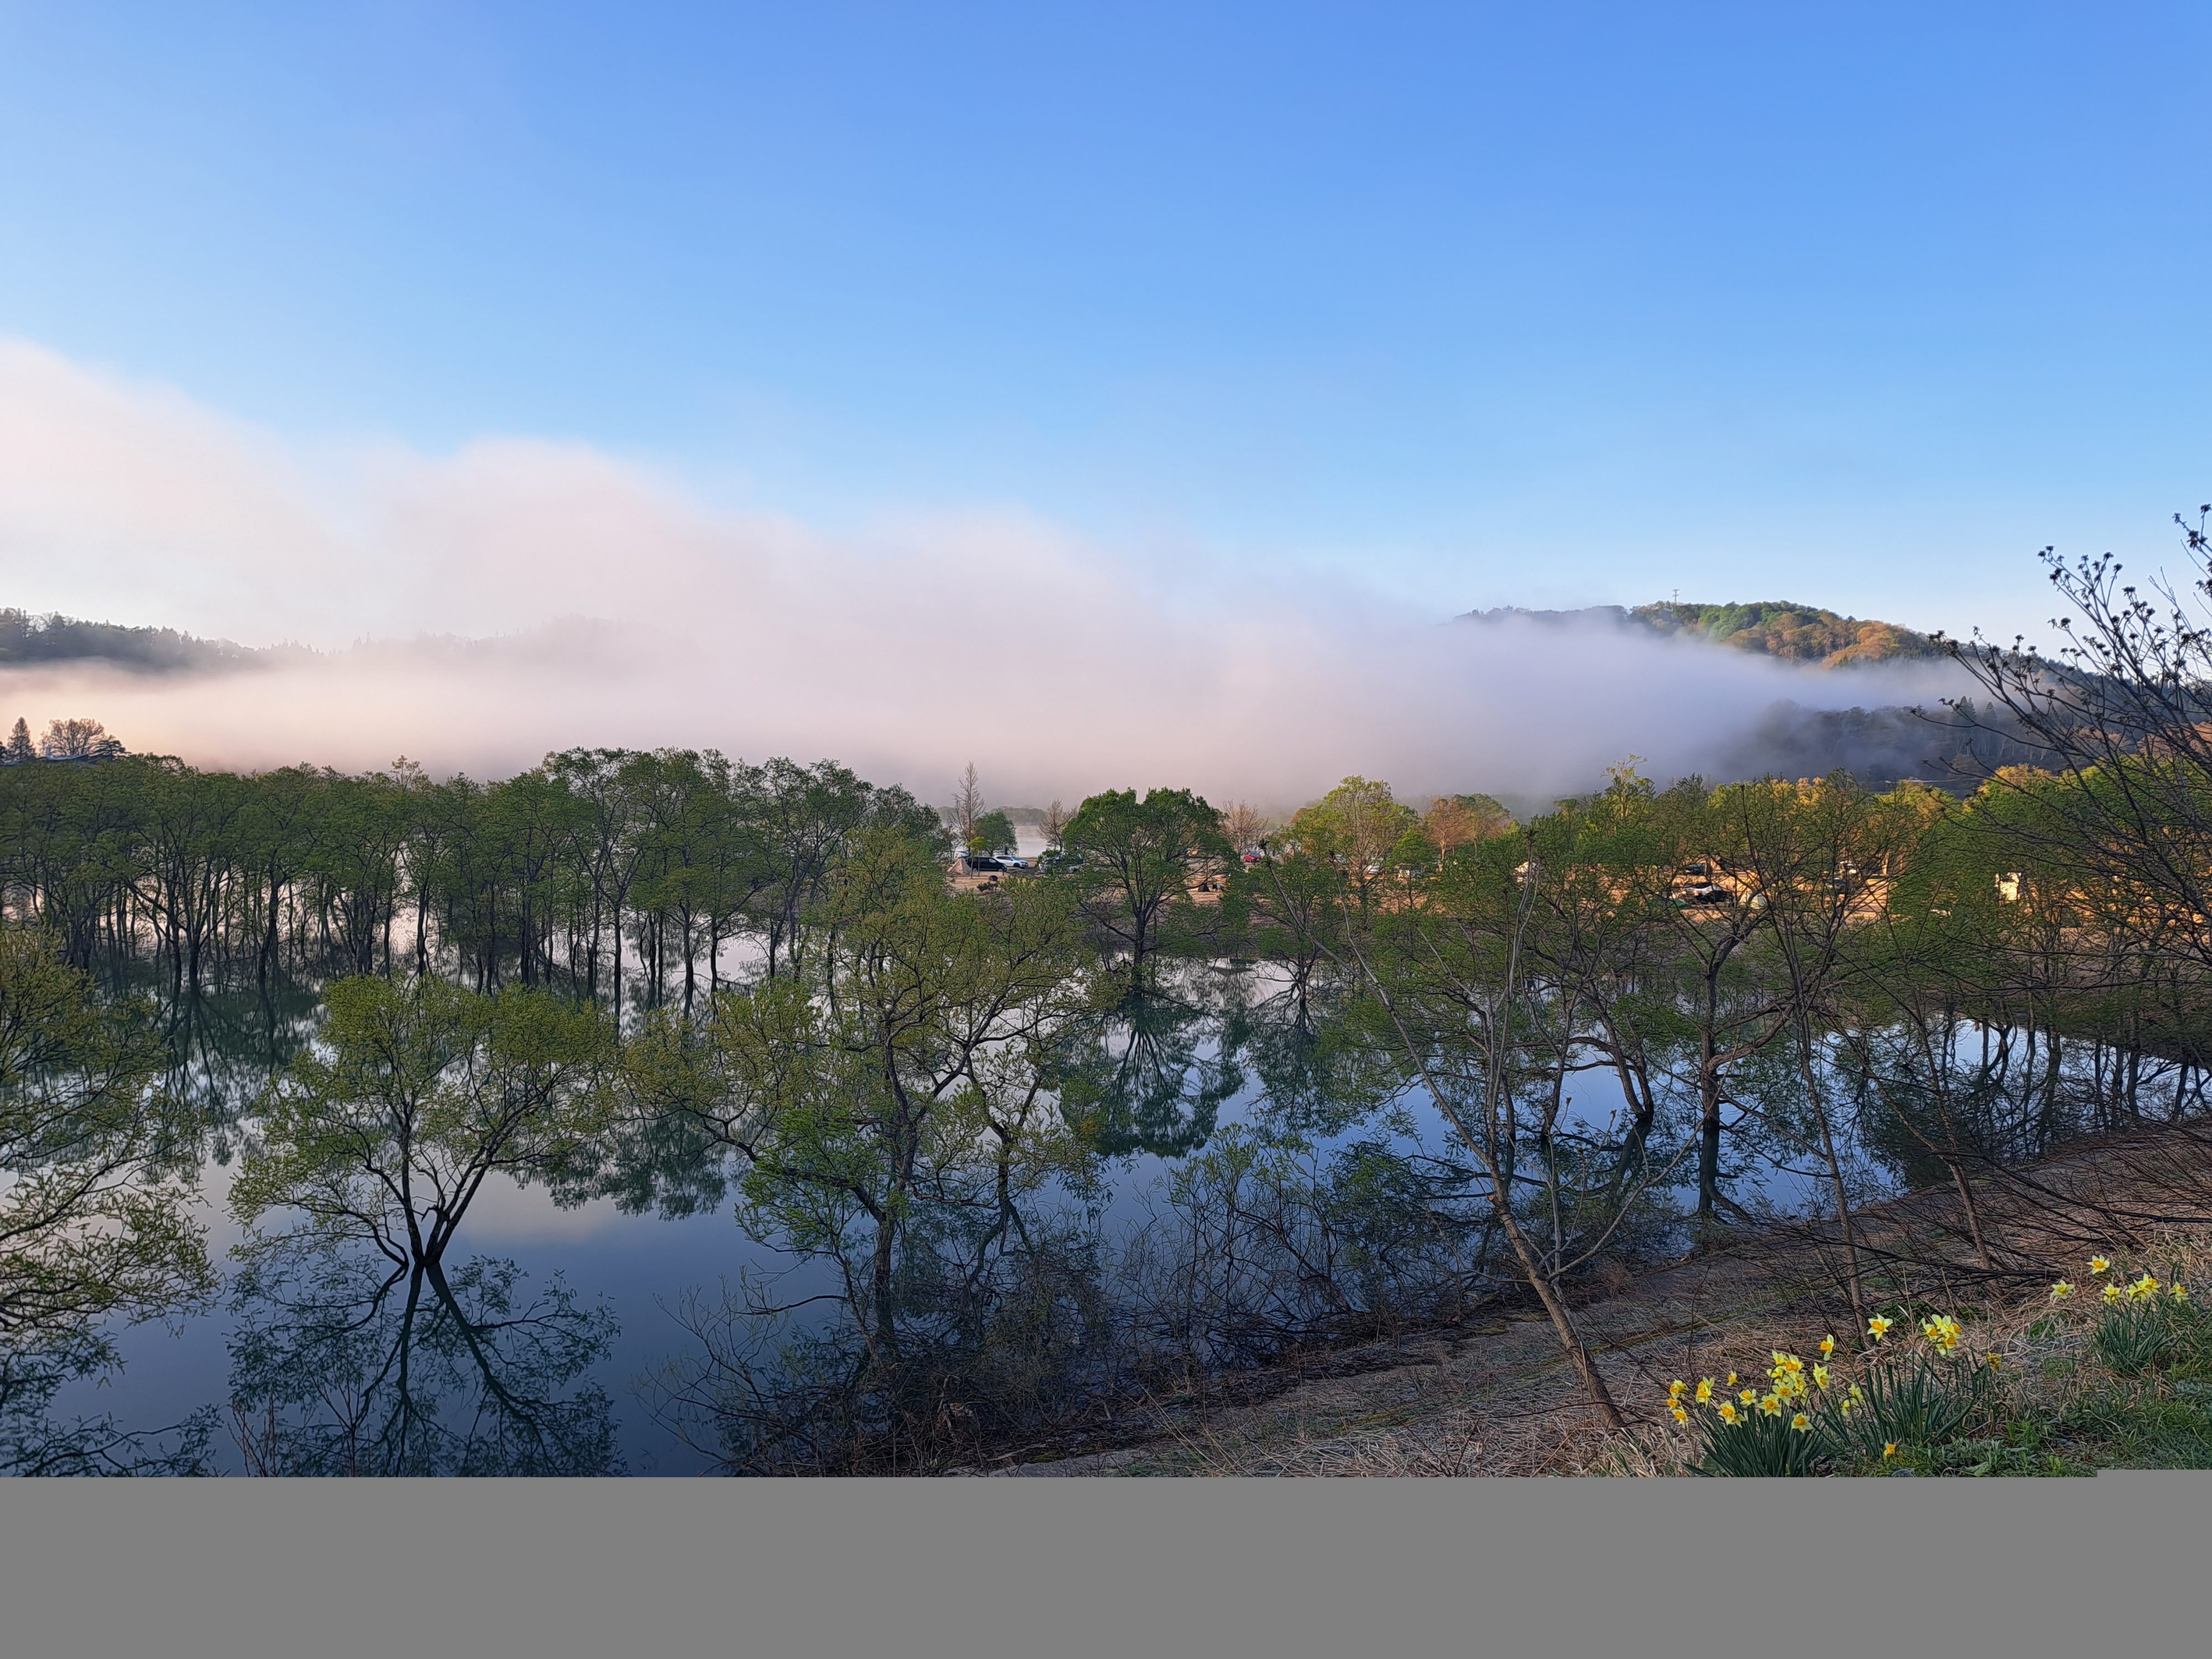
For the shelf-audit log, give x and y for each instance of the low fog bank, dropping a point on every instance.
(1273, 711)
(524, 595)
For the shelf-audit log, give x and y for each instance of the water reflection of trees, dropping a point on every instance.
(95, 1232)
(339, 1367)
(223, 1048)
(1267, 1241)
(896, 1137)
(1150, 1076)
(361, 1348)
(956, 1278)
(1316, 1076)
(35, 1439)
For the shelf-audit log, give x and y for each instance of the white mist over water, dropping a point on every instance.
(521, 595)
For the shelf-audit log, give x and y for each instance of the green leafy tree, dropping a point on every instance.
(420, 1092)
(1138, 857)
(810, 819)
(893, 1124)
(89, 1226)
(371, 1151)
(994, 833)
(1452, 995)
(92, 1230)
(1358, 826)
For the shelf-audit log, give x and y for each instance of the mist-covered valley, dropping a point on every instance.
(476, 610)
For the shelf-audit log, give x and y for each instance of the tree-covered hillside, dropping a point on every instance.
(1771, 628)
(1780, 627)
(26, 638)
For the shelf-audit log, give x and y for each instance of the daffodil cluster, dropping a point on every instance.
(1806, 1408)
(2140, 1290)
(1942, 1331)
(1791, 1385)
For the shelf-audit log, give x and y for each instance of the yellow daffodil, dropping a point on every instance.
(1677, 1389)
(1772, 1406)
(2098, 1264)
(1942, 1332)
(2179, 1292)
(2112, 1293)
(1706, 1391)
(2143, 1288)
(1728, 1413)
(1731, 1379)
(1890, 1450)
(1680, 1416)
(2061, 1290)
(1827, 1347)
(1801, 1423)
(1821, 1376)
(1749, 1396)
(1877, 1327)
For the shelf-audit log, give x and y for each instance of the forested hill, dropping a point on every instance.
(30, 641)
(1767, 628)
(1778, 628)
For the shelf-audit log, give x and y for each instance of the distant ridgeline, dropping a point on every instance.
(29, 640)
(1766, 628)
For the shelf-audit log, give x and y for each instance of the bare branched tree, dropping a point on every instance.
(967, 806)
(2125, 712)
(1245, 826)
(78, 740)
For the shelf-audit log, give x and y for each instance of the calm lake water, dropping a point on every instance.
(637, 1267)
(1215, 1054)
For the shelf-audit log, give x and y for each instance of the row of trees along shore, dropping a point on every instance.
(1863, 992)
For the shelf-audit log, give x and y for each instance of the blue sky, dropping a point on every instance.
(1472, 304)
